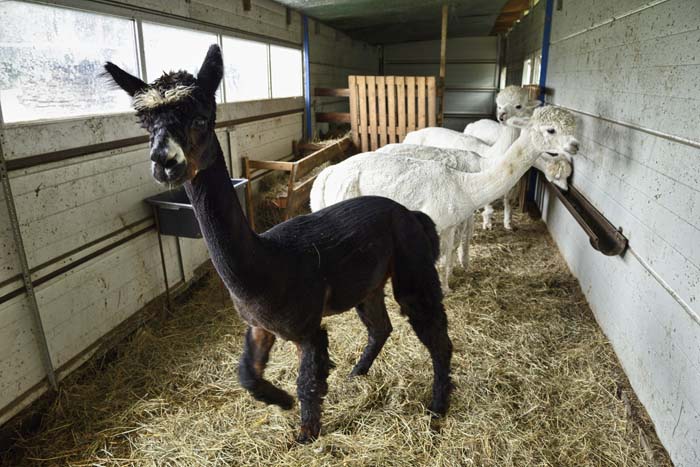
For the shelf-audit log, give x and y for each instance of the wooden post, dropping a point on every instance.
(443, 60)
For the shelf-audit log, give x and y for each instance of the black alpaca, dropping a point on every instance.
(285, 280)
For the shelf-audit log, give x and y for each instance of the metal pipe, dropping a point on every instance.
(546, 34)
(307, 78)
(26, 275)
(634, 126)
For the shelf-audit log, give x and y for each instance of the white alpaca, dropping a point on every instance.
(448, 196)
(445, 138)
(485, 130)
(557, 169)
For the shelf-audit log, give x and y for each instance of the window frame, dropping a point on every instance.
(137, 17)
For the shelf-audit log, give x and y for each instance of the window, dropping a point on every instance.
(170, 49)
(287, 73)
(527, 71)
(245, 70)
(504, 75)
(537, 68)
(51, 60)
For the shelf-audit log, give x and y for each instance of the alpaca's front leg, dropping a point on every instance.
(487, 215)
(256, 352)
(312, 385)
(507, 212)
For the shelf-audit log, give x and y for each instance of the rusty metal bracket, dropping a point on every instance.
(602, 234)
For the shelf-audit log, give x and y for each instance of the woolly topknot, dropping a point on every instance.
(512, 95)
(551, 115)
(168, 89)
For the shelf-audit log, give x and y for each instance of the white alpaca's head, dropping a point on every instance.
(514, 101)
(551, 130)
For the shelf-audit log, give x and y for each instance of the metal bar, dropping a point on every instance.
(633, 126)
(443, 64)
(162, 261)
(611, 20)
(141, 50)
(454, 61)
(26, 275)
(307, 78)
(545, 47)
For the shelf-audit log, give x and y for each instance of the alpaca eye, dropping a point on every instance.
(518, 107)
(551, 131)
(199, 123)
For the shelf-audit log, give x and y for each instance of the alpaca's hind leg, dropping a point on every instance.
(311, 384)
(256, 352)
(373, 314)
(429, 322)
(448, 253)
(465, 238)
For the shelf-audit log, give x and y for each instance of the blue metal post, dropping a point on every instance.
(549, 8)
(545, 46)
(307, 78)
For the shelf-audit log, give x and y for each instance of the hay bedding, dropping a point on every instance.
(537, 384)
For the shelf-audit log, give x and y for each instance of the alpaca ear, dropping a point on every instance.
(533, 104)
(212, 70)
(518, 122)
(129, 83)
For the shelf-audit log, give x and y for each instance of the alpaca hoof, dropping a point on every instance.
(508, 227)
(285, 401)
(358, 371)
(487, 226)
(307, 435)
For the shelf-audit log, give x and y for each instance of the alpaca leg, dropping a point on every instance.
(429, 322)
(487, 216)
(256, 352)
(312, 385)
(373, 314)
(465, 238)
(448, 253)
(506, 212)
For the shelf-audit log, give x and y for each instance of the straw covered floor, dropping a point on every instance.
(537, 384)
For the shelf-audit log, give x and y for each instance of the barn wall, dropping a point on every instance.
(89, 238)
(471, 75)
(630, 70)
(333, 56)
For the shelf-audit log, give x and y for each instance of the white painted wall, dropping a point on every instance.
(471, 74)
(641, 69)
(333, 56)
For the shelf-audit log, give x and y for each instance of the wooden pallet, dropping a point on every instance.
(384, 108)
(298, 187)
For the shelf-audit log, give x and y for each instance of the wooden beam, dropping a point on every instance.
(443, 61)
(333, 117)
(331, 92)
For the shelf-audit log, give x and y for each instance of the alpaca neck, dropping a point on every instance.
(236, 251)
(502, 173)
(506, 136)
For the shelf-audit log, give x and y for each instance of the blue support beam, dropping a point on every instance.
(549, 9)
(307, 79)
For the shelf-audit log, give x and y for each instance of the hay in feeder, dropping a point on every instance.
(537, 384)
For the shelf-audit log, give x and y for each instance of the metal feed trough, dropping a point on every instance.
(174, 215)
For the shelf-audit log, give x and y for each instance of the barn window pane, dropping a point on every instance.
(527, 71)
(287, 74)
(51, 60)
(171, 49)
(245, 70)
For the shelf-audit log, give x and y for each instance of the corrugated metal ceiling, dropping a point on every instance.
(391, 21)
